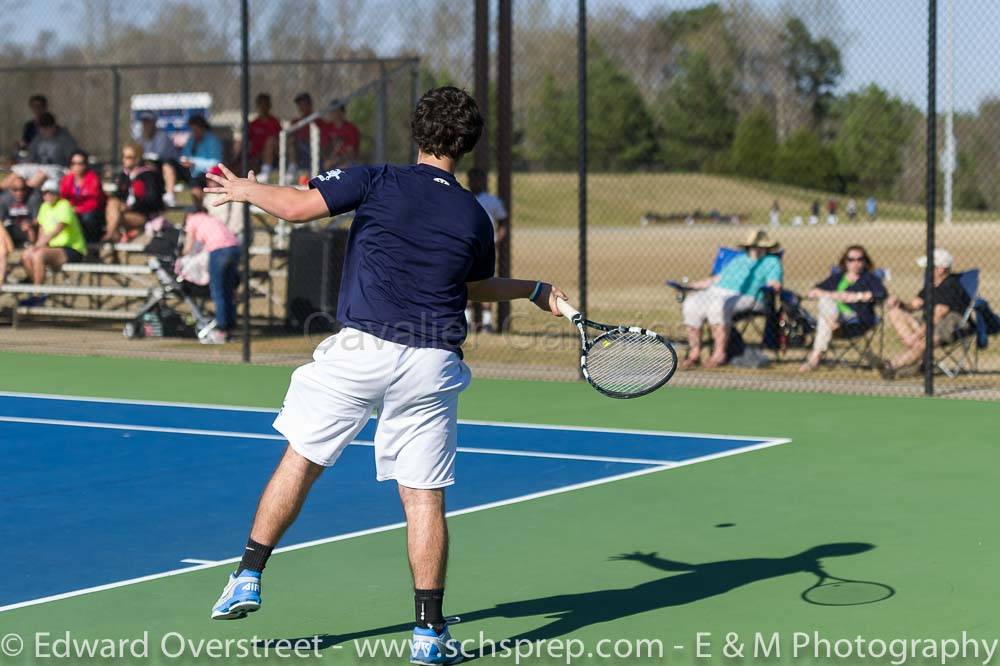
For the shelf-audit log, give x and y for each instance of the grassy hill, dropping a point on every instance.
(550, 199)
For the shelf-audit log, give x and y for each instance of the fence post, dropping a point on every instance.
(481, 81)
(245, 166)
(381, 117)
(414, 96)
(503, 146)
(116, 103)
(931, 195)
(581, 50)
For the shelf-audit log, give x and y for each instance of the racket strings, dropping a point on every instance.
(629, 362)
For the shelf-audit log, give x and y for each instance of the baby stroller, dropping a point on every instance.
(159, 316)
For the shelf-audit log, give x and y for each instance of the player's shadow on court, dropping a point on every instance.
(688, 583)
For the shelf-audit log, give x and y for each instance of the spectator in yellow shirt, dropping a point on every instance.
(60, 239)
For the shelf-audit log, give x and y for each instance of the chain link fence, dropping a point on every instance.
(706, 123)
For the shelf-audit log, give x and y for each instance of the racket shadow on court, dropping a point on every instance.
(689, 583)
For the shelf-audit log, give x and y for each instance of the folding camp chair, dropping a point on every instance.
(853, 342)
(962, 354)
(760, 320)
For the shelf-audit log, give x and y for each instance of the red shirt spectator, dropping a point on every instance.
(84, 192)
(262, 128)
(343, 141)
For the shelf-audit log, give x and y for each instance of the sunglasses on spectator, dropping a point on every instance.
(855, 258)
(17, 189)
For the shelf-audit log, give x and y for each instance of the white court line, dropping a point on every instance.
(126, 401)
(541, 426)
(252, 435)
(386, 528)
(191, 560)
(139, 428)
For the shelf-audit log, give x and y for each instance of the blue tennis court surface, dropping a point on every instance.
(100, 491)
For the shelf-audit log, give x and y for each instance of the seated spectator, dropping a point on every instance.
(137, 198)
(340, 139)
(158, 147)
(950, 304)
(202, 151)
(34, 178)
(264, 131)
(52, 144)
(846, 298)
(19, 206)
(82, 188)
(60, 239)
(737, 288)
(223, 250)
(300, 160)
(39, 104)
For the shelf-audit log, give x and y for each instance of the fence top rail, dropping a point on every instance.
(178, 64)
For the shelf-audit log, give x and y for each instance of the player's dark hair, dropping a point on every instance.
(41, 99)
(446, 122)
(869, 264)
(46, 120)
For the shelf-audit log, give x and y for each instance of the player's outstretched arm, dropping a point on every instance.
(495, 289)
(286, 203)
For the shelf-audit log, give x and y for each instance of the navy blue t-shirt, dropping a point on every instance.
(416, 239)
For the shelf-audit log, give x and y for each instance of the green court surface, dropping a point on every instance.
(915, 478)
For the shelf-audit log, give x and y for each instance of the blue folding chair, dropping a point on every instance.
(962, 354)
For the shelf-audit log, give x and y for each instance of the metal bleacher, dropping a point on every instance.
(117, 281)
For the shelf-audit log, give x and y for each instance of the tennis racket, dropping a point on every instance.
(832, 591)
(623, 361)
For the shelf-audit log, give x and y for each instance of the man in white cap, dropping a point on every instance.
(950, 303)
(736, 288)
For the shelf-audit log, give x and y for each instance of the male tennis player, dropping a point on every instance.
(419, 246)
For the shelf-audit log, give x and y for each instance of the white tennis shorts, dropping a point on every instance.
(414, 390)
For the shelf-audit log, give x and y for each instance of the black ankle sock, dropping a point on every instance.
(428, 607)
(255, 556)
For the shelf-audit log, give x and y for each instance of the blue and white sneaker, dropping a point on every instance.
(429, 648)
(240, 596)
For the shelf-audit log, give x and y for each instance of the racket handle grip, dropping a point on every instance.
(566, 309)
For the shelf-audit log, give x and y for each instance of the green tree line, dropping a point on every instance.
(706, 114)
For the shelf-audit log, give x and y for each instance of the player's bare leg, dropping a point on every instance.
(283, 497)
(427, 547)
(277, 509)
(426, 536)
